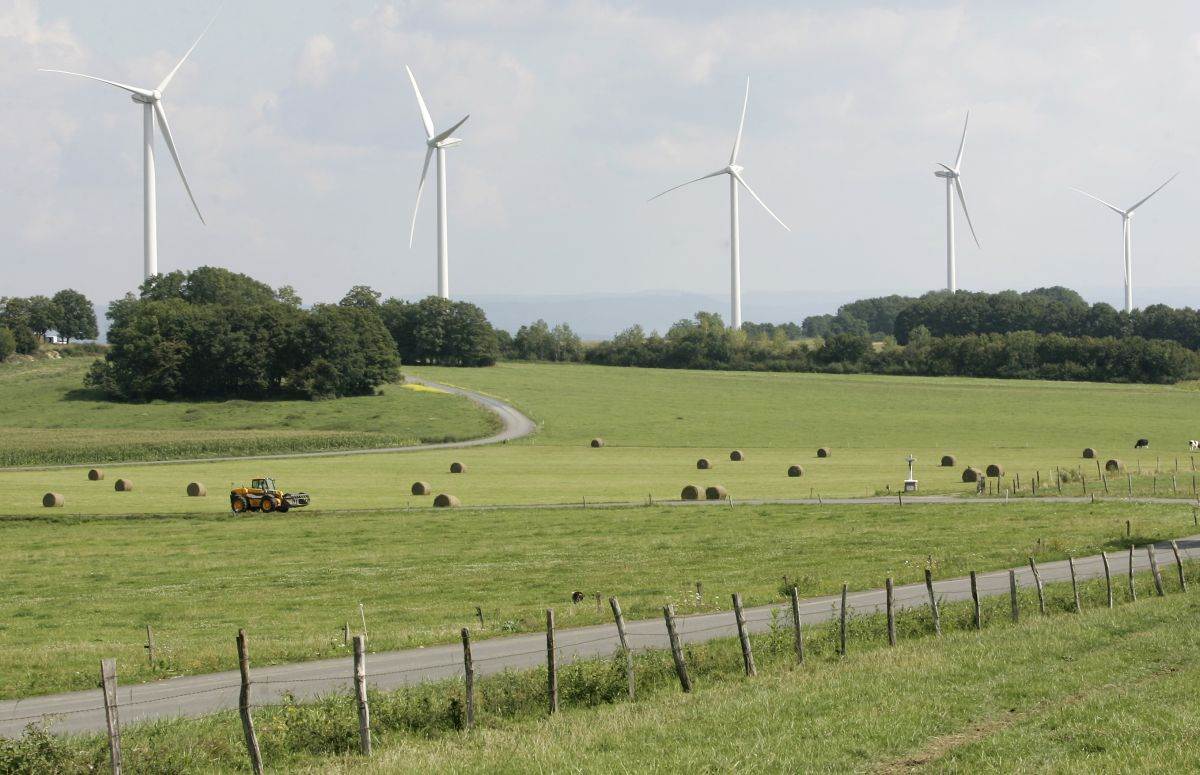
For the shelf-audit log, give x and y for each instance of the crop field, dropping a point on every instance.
(50, 418)
(77, 589)
(656, 424)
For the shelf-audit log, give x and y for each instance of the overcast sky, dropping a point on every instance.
(301, 138)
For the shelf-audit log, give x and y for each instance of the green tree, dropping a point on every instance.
(8, 345)
(362, 296)
(42, 314)
(74, 315)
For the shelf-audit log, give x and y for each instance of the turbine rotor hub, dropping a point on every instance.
(734, 169)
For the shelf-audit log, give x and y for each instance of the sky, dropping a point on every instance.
(301, 138)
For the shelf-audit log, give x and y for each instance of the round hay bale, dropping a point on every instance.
(445, 501)
(597, 443)
(715, 493)
(421, 488)
(576, 597)
(824, 452)
(196, 490)
(95, 475)
(1089, 452)
(736, 455)
(995, 470)
(457, 468)
(1114, 466)
(123, 485)
(949, 461)
(52, 499)
(690, 493)
(703, 464)
(971, 474)
(795, 471)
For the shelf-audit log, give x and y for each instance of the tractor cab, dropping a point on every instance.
(266, 484)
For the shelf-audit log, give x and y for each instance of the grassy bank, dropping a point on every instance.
(78, 589)
(50, 418)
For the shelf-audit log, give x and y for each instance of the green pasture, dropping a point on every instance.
(81, 588)
(657, 423)
(48, 417)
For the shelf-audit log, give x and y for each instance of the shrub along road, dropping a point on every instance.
(203, 694)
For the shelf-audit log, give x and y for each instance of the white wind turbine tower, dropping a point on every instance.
(435, 142)
(1127, 221)
(734, 171)
(151, 101)
(952, 176)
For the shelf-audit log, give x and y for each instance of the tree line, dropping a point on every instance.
(705, 343)
(25, 321)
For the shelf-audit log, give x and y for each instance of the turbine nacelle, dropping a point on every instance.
(146, 96)
(449, 142)
(734, 169)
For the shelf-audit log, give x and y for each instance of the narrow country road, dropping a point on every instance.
(514, 425)
(202, 694)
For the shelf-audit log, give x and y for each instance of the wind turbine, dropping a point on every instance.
(435, 142)
(1127, 221)
(151, 101)
(952, 176)
(734, 171)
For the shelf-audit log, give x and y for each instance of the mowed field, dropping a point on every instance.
(657, 423)
(48, 418)
(78, 589)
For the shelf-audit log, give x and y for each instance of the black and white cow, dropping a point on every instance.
(1194, 444)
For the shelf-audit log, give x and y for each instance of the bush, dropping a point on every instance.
(8, 345)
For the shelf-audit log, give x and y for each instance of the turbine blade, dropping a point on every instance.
(420, 187)
(746, 186)
(165, 128)
(963, 201)
(1112, 207)
(962, 143)
(444, 135)
(690, 182)
(737, 143)
(162, 87)
(126, 87)
(425, 119)
(1152, 193)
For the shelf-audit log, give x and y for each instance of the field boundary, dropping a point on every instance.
(199, 695)
(514, 425)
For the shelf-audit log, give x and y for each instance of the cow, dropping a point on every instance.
(1142, 443)
(1194, 444)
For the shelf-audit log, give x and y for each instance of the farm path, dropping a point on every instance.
(515, 425)
(203, 694)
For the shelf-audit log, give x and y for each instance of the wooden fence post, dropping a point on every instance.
(891, 612)
(1132, 589)
(551, 662)
(1104, 481)
(108, 681)
(1107, 578)
(1158, 584)
(1037, 582)
(149, 644)
(1012, 596)
(743, 636)
(933, 606)
(360, 692)
(244, 705)
(468, 679)
(1128, 528)
(1074, 585)
(795, 595)
(1179, 566)
(685, 683)
(479, 614)
(842, 622)
(1129, 479)
(616, 609)
(976, 614)
(346, 634)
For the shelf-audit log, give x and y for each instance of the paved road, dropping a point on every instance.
(202, 694)
(514, 426)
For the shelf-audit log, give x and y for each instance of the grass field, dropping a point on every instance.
(77, 589)
(1105, 691)
(658, 423)
(50, 418)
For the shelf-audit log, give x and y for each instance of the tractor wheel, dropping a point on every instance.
(239, 505)
(268, 505)
(283, 508)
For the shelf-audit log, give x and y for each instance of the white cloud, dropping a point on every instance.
(317, 61)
